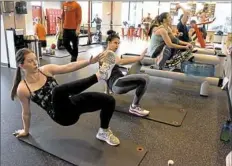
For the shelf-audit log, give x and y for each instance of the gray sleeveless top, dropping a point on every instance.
(156, 42)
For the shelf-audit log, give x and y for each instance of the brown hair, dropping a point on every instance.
(20, 56)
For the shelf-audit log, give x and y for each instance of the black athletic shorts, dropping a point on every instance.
(43, 43)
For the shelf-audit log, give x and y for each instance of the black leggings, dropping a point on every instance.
(69, 35)
(69, 103)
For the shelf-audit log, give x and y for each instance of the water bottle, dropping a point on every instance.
(226, 132)
(197, 69)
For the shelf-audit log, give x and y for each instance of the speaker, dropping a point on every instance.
(21, 7)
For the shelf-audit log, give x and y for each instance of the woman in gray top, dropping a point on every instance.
(163, 44)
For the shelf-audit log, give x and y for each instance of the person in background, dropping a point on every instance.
(202, 15)
(39, 30)
(59, 33)
(146, 22)
(192, 33)
(71, 20)
(182, 25)
(98, 22)
(164, 45)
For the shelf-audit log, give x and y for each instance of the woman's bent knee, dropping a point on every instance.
(111, 100)
(147, 78)
(67, 119)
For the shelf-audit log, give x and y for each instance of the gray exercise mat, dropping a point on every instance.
(63, 53)
(170, 114)
(78, 145)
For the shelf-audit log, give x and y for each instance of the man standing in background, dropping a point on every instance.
(146, 22)
(39, 30)
(98, 22)
(71, 20)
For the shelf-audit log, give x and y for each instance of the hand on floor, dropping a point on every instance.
(20, 133)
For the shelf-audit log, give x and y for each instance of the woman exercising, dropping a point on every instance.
(116, 81)
(164, 44)
(63, 103)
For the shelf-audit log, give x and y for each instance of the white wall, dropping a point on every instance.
(3, 44)
(117, 20)
(84, 9)
(29, 20)
(50, 5)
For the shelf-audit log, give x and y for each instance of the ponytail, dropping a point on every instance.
(162, 16)
(154, 23)
(19, 60)
(17, 80)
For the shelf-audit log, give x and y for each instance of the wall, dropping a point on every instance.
(20, 21)
(84, 8)
(117, 20)
(106, 10)
(50, 5)
(3, 44)
(12, 20)
(29, 20)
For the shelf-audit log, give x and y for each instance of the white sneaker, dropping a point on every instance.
(108, 63)
(137, 110)
(107, 136)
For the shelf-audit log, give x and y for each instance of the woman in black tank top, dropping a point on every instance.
(63, 103)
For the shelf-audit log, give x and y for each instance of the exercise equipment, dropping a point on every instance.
(229, 159)
(78, 145)
(217, 61)
(169, 113)
(182, 77)
(53, 46)
(199, 33)
(207, 51)
(199, 36)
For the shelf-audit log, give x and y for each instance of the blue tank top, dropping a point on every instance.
(43, 96)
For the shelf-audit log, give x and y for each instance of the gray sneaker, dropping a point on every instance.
(137, 110)
(107, 136)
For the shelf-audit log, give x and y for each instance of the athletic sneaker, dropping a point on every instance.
(137, 110)
(107, 136)
(108, 63)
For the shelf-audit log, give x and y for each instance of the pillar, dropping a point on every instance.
(106, 16)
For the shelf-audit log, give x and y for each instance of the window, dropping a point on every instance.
(135, 13)
(223, 18)
(96, 9)
(125, 11)
(84, 7)
(164, 7)
(150, 7)
(36, 3)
